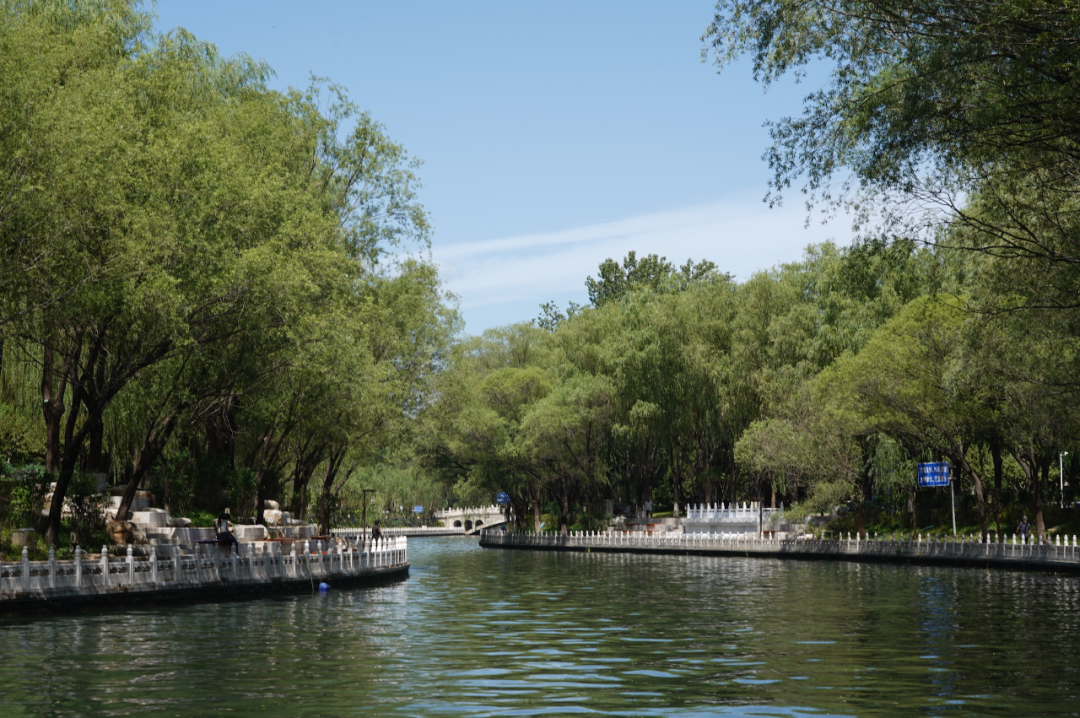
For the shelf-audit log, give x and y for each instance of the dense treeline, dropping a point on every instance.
(821, 382)
(948, 331)
(197, 294)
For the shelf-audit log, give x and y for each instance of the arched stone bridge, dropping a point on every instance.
(471, 520)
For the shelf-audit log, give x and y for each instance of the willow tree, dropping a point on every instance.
(926, 102)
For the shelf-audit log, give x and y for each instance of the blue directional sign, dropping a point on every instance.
(934, 473)
(502, 498)
(418, 509)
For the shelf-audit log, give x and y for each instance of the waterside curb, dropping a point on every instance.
(881, 553)
(42, 601)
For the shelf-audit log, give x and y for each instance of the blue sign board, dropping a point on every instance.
(418, 509)
(934, 473)
(502, 498)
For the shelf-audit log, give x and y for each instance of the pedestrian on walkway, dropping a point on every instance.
(1024, 529)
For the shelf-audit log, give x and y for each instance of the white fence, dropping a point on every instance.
(745, 512)
(963, 548)
(89, 574)
(354, 533)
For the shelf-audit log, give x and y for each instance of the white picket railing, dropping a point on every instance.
(729, 513)
(205, 565)
(962, 547)
(355, 533)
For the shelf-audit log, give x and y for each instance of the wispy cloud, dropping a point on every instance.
(741, 236)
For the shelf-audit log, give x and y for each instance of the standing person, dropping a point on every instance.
(224, 532)
(376, 532)
(648, 508)
(1024, 529)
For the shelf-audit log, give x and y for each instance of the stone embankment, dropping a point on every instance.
(197, 572)
(1057, 557)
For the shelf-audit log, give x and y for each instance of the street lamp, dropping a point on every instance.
(1061, 475)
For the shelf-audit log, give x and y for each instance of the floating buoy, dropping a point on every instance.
(324, 586)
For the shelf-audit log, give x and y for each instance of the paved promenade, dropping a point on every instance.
(1058, 557)
(207, 572)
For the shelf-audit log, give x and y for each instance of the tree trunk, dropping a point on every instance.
(1043, 476)
(151, 449)
(536, 509)
(995, 453)
(63, 480)
(332, 466)
(970, 470)
(52, 408)
(300, 484)
(912, 496)
(734, 476)
(564, 508)
(220, 434)
(260, 481)
(94, 456)
(1025, 457)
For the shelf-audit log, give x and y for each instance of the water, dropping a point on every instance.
(477, 632)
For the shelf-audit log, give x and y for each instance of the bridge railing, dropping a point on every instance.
(354, 533)
(962, 547)
(205, 565)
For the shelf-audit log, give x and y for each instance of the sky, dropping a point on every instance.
(553, 134)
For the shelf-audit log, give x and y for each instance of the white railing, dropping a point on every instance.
(966, 548)
(354, 533)
(206, 565)
(745, 512)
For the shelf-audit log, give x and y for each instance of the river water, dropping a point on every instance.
(477, 632)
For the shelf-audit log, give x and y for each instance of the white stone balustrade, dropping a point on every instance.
(203, 565)
(1064, 554)
(740, 518)
(730, 513)
(355, 533)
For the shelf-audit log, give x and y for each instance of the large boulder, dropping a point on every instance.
(248, 534)
(122, 533)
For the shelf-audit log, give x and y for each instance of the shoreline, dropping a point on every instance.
(204, 574)
(1032, 558)
(37, 604)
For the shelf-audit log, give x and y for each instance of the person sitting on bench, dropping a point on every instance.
(224, 533)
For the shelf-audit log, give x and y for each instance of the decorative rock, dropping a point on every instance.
(23, 537)
(151, 518)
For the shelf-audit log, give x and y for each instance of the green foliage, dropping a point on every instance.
(20, 437)
(85, 509)
(25, 490)
(198, 291)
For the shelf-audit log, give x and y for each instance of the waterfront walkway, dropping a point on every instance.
(1058, 557)
(206, 572)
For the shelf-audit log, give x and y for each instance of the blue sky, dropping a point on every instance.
(553, 134)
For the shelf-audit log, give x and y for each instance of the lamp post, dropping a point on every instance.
(1061, 475)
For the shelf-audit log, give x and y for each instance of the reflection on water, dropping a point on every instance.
(514, 633)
